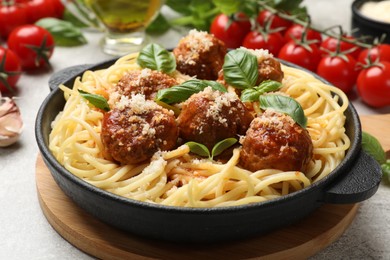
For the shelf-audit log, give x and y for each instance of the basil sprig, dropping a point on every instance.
(63, 32)
(240, 69)
(155, 57)
(286, 105)
(372, 146)
(179, 93)
(96, 100)
(253, 94)
(218, 148)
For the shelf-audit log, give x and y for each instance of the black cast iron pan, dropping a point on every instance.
(356, 179)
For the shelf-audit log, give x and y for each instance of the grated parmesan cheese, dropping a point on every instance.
(261, 54)
(220, 100)
(137, 103)
(156, 165)
(196, 42)
(145, 73)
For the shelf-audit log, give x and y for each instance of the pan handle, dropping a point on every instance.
(359, 184)
(64, 75)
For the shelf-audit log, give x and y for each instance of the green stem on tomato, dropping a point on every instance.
(305, 24)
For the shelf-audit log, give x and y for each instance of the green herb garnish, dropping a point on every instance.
(253, 94)
(155, 57)
(286, 105)
(238, 69)
(179, 93)
(372, 146)
(95, 100)
(63, 32)
(218, 148)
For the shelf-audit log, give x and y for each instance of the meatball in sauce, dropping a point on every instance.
(146, 82)
(211, 116)
(136, 129)
(200, 54)
(275, 141)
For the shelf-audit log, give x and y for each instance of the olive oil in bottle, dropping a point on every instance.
(125, 16)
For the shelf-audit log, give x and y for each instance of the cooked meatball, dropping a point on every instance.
(137, 128)
(146, 82)
(275, 141)
(269, 68)
(211, 116)
(200, 54)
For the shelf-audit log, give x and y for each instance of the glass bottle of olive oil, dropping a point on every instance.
(125, 21)
(125, 16)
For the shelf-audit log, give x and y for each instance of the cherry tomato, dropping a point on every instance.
(256, 40)
(330, 45)
(59, 8)
(231, 32)
(339, 70)
(277, 21)
(382, 51)
(300, 55)
(296, 31)
(11, 16)
(373, 84)
(37, 9)
(33, 44)
(10, 70)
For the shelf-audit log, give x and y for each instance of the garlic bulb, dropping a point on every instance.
(11, 123)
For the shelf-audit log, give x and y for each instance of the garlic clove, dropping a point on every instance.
(11, 124)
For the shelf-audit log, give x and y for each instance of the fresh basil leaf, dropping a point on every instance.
(96, 100)
(240, 69)
(198, 149)
(159, 25)
(250, 95)
(386, 170)
(253, 94)
(179, 93)
(155, 57)
(222, 146)
(63, 32)
(227, 7)
(214, 85)
(268, 86)
(284, 105)
(70, 17)
(372, 146)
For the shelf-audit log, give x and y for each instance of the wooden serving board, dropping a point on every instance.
(303, 239)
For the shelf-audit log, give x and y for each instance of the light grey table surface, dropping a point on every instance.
(24, 230)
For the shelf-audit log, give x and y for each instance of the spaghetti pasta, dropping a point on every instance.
(177, 177)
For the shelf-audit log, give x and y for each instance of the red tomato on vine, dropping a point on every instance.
(34, 45)
(10, 70)
(295, 33)
(276, 21)
(257, 40)
(380, 52)
(339, 70)
(330, 45)
(37, 9)
(11, 16)
(231, 30)
(373, 84)
(305, 56)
